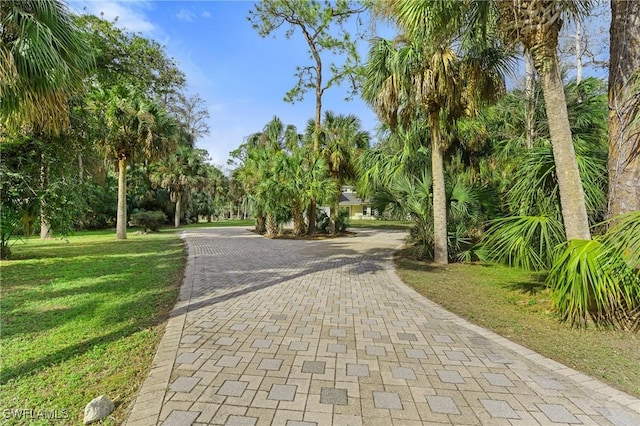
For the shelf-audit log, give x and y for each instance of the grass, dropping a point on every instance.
(221, 223)
(379, 224)
(515, 304)
(82, 317)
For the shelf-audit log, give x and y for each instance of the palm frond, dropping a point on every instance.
(527, 242)
(589, 281)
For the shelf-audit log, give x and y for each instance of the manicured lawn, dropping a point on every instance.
(82, 318)
(515, 304)
(221, 223)
(379, 224)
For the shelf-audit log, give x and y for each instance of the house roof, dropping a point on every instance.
(351, 199)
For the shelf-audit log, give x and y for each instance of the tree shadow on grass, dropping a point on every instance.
(408, 264)
(533, 286)
(124, 313)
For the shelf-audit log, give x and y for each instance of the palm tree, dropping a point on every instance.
(342, 140)
(136, 128)
(404, 82)
(246, 174)
(182, 172)
(256, 156)
(401, 80)
(535, 24)
(43, 59)
(216, 186)
(397, 154)
(303, 178)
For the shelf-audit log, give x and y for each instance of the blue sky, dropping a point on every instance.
(242, 77)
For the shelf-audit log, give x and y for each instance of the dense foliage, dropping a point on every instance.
(125, 145)
(518, 176)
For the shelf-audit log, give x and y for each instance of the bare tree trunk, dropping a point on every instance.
(624, 109)
(440, 252)
(574, 211)
(80, 167)
(81, 177)
(45, 226)
(311, 213)
(121, 217)
(178, 212)
(578, 51)
(530, 101)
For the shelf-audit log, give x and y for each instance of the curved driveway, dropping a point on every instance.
(291, 332)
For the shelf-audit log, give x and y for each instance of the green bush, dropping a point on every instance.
(527, 242)
(323, 221)
(149, 221)
(9, 224)
(600, 279)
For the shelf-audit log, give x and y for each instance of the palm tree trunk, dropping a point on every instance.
(298, 218)
(440, 253)
(271, 225)
(335, 211)
(260, 224)
(624, 108)
(311, 217)
(121, 217)
(574, 211)
(333, 216)
(178, 212)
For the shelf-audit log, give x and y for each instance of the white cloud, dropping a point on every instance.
(205, 14)
(186, 15)
(129, 14)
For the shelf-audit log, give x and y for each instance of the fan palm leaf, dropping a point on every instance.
(527, 242)
(43, 60)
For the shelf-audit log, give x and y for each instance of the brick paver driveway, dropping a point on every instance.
(323, 332)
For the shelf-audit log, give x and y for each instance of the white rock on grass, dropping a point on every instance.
(97, 409)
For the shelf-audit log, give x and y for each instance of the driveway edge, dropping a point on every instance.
(148, 403)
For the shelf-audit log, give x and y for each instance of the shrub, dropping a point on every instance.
(527, 242)
(9, 224)
(323, 221)
(150, 221)
(600, 279)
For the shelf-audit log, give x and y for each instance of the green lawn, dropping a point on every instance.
(83, 317)
(515, 304)
(221, 223)
(379, 224)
